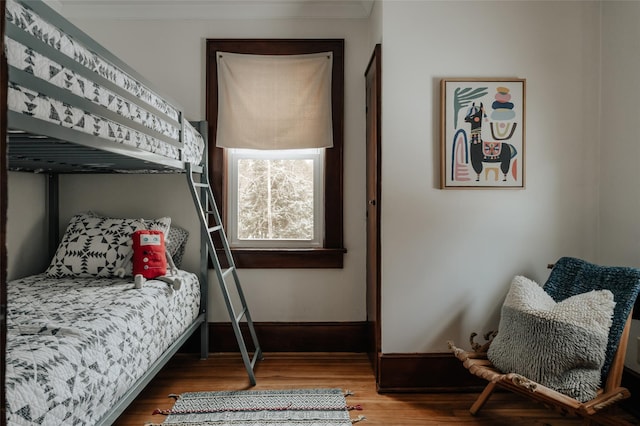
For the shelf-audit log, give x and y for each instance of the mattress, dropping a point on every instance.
(76, 345)
(97, 97)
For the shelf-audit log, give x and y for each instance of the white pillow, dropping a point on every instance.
(94, 246)
(559, 345)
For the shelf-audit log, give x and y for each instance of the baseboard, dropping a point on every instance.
(442, 372)
(425, 372)
(289, 337)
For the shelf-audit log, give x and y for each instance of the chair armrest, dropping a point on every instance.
(604, 400)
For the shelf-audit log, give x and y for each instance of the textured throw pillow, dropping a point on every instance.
(94, 246)
(177, 243)
(559, 345)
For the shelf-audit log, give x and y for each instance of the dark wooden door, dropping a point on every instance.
(373, 86)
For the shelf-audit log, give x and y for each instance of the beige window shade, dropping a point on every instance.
(274, 101)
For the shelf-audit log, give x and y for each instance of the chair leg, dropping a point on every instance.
(482, 399)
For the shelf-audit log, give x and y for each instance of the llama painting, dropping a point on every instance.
(482, 133)
(487, 151)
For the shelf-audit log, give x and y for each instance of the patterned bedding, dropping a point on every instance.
(133, 114)
(75, 346)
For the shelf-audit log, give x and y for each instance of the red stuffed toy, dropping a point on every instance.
(149, 259)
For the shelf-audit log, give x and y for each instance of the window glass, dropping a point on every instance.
(275, 198)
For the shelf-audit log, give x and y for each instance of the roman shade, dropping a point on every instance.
(274, 101)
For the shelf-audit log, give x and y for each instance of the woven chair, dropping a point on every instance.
(569, 277)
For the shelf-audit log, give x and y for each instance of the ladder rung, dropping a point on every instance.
(239, 317)
(200, 185)
(226, 272)
(256, 356)
(215, 228)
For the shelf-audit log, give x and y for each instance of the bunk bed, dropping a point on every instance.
(73, 353)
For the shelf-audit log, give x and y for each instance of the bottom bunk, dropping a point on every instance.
(79, 349)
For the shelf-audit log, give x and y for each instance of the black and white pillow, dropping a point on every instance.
(176, 243)
(94, 246)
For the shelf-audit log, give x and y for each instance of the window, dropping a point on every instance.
(240, 177)
(275, 198)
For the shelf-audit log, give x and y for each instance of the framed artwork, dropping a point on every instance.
(482, 132)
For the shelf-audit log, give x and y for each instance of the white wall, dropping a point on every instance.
(170, 54)
(448, 256)
(619, 150)
(375, 25)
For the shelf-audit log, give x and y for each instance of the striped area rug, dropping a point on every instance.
(295, 407)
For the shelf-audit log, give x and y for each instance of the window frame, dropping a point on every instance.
(331, 254)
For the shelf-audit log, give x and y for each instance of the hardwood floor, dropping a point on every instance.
(187, 373)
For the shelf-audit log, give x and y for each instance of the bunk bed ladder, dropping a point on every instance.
(211, 224)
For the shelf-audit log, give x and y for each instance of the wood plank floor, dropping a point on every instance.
(187, 373)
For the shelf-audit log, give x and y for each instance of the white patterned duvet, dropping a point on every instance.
(75, 346)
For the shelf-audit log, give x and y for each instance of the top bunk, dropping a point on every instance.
(73, 107)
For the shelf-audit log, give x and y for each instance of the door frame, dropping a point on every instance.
(373, 102)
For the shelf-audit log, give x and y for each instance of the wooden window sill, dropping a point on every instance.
(289, 258)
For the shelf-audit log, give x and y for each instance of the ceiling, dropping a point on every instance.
(214, 9)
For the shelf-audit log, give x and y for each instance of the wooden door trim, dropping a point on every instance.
(375, 328)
